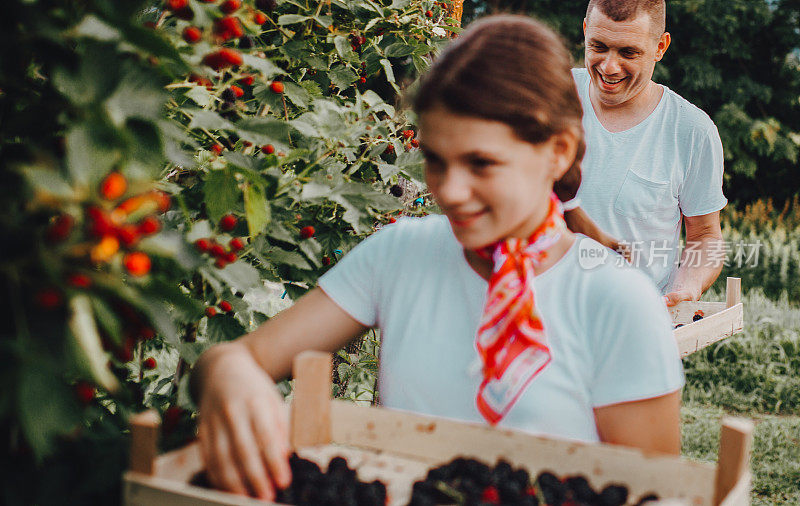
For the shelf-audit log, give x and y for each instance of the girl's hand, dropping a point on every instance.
(243, 425)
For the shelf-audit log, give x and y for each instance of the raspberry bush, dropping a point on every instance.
(172, 171)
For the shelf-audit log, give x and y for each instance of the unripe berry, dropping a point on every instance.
(307, 232)
(217, 148)
(247, 80)
(226, 306)
(228, 222)
(276, 87)
(202, 245)
(149, 225)
(192, 34)
(79, 280)
(218, 251)
(326, 260)
(175, 5)
(260, 18)
(237, 92)
(137, 263)
(428, 14)
(230, 6)
(149, 363)
(113, 186)
(84, 392)
(236, 244)
(211, 311)
(268, 149)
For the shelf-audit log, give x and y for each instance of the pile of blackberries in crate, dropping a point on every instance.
(462, 481)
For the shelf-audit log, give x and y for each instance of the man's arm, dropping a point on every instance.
(701, 261)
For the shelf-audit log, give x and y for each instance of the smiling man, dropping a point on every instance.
(653, 160)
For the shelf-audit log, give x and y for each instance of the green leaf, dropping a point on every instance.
(200, 95)
(84, 331)
(346, 52)
(49, 182)
(296, 94)
(91, 152)
(387, 68)
(171, 244)
(280, 256)
(221, 194)
(223, 328)
(209, 120)
(262, 131)
(256, 208)
(93, 27)
(44, 406)
(107, 319)
(342, 77)
(137, 96)
(290, 19)
(239, 276)
(325, 21)
(398, 50)
(263, 65)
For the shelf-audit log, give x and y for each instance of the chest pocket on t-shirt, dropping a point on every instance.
(643, 199)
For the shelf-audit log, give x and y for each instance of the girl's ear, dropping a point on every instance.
(564, 147)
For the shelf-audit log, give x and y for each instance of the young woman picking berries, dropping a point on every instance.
(485, 312)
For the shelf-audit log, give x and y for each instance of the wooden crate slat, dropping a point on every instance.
(439, 440)
(181, 464)
(740, 494)
(143, 490)
(709, 330)
(684, 311)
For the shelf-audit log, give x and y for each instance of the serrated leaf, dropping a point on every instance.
(398, 50)
(171, 244)
(290, 19)
(325, 21)
(263, 65)
(346, 52)
(48, 183)
(387, 69)
(137, 96)
(200, 95)
(296, 94)
(90, 152)
(95, 28)
(240, 276)
(223, 328)
(280, 256)
(342, 77)
(107, 319)
(200, 229)
(209, 120)
(265, 131)
(387, 170)
(256, 208)
(221, 194)
(84, 331)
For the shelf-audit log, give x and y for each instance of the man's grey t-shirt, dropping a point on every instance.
(639, 183)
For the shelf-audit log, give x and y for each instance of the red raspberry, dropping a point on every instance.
(217, 148)
(260, 18)
(228, 28)
(415, 143)
(149, 225)
(247, 80)
(218, 251)
(201, 81)
(226, 306)
(192, 34)
(268, 149)
(137, 263)
(389, 149)
(48, 298)
(146, 333)
(392, 219)
(128, 234)
(186, 13)
(60, 228)
(202, 245)
(362, 79)
(223, 58)
(113, 186)
(175, 5)
(247, 144)
(236, 244)
(229, 6)
(84, 392)
(490, 495)
(407, 134)
(211, 311)
(100, 223)
(326, 260)
(230, 257)
(276, 87)
(149, 363)
(238, 92)
(79, 280)
(220, 263)
(307, 232)
(228, 222)
(428, 14)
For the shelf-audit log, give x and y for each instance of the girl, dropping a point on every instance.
(487, 313)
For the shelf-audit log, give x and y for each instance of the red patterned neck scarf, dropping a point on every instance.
(511, 341)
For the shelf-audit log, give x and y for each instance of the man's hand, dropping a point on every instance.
(674, 297)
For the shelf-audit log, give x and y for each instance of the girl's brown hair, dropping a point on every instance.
(514, 70)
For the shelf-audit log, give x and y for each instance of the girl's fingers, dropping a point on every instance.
(272, 435)
(220, 466)
(246, 450)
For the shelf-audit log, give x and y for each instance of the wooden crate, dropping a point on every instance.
(399, 447)
(720, 320)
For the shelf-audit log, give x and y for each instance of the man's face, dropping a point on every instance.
(621, 55)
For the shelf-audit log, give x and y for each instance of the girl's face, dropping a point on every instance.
(490, 184)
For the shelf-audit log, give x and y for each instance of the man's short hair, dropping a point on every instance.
(621, 10)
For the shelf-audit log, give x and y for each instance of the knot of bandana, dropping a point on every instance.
(511, 341)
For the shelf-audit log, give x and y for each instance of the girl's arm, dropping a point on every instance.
(651, 424)
(243, 422)
(580, 222)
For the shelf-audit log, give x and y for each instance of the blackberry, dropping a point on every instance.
(521, 477)
(246, 42)
(396, 190)
(646, 499)
(228, 95)
(553, 490)
(510, 491)
(501, 472)
(266, 5)
(613, 495)
(697, 317)
(580, 490)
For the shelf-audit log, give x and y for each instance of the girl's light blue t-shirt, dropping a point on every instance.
(608, 329)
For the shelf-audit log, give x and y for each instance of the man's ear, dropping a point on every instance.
(663, 44)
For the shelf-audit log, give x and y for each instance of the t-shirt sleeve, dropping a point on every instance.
(353, 283)
(635, 353)
(701, 192)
